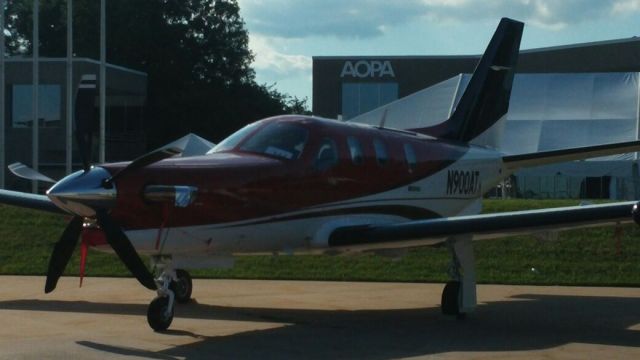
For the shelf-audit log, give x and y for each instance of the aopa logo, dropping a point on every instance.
(367, 68)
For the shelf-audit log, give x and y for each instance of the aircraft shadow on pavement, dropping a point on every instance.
(531, 322)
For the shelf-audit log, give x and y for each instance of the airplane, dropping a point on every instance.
(302, 184)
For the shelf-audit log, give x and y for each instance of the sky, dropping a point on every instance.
(285, 34)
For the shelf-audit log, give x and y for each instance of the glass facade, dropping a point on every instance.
(49, 106)
(359, 98)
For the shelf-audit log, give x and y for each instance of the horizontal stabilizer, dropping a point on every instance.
(481, 227)
(514, 162)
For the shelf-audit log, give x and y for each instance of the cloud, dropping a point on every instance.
(269, 59)
(303, 18)
(626, 6)
(371, 18)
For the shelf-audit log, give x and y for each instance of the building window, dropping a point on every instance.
(49, 103)
(359, 98)
(382, 156)
(355, 149)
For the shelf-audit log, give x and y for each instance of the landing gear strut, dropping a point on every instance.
(459, 294)
(182, 286)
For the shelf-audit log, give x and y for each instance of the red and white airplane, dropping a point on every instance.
(304, 184)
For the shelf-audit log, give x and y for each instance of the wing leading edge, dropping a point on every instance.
(31, 201)
(485, 226)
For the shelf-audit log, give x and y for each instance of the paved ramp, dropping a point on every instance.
(235, 319)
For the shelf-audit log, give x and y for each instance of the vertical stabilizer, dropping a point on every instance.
(486, 98)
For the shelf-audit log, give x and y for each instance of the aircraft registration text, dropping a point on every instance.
(463, 182)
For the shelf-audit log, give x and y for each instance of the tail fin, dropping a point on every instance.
(486, 99)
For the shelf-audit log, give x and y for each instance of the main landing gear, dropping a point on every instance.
(459, 294)
(173, 286)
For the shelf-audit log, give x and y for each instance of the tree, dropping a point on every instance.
(195, 53)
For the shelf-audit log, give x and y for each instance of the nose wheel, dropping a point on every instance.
(160, 313)
(160, 310)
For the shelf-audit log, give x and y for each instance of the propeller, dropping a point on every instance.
(127, 253)
(62, 252)
(85, 118)
(142, 161)
(90, 193)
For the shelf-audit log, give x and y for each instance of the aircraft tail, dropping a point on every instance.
(486, 98)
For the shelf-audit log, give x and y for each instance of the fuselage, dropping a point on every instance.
(283, 182)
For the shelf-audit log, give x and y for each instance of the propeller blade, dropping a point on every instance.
(62, 253)
(25, 172)
(127, 253)
(85, 118)
(142, 161)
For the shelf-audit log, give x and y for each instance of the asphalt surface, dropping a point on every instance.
(235, 319)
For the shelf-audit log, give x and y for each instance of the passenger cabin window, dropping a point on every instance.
(382, 156)
(278, 139)
(410, 155)
(355, 149)
(327, 155)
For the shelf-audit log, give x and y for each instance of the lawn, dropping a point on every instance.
(580, 257)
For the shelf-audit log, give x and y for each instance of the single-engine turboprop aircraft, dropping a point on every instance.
(306, 184)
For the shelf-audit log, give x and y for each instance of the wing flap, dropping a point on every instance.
(485, 226)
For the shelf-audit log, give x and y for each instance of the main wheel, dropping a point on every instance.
(182, 287)
(157, 315)
(450, 296)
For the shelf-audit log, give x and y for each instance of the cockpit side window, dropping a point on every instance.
(327, 155)
(355, 149)
(278, 139)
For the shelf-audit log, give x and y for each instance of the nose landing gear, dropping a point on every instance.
(174, 285)
(160, 311)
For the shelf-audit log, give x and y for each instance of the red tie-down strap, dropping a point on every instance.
(90, 237)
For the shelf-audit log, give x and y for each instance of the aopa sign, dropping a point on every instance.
(367, 69)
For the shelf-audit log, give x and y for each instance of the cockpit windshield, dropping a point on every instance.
(279, 139)
(234, 139)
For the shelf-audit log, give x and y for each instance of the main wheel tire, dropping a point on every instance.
(157, 315)
(182, 287)
(450, 296)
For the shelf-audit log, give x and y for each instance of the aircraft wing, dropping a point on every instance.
(514, 162)
(31, 201)
(480, 227)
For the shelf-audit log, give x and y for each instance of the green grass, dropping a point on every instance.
(580, 257)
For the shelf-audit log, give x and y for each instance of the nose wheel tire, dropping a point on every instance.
(450, 295)
(182, 287)
(159, 314)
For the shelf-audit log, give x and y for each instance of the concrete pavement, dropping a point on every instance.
(236, 319)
